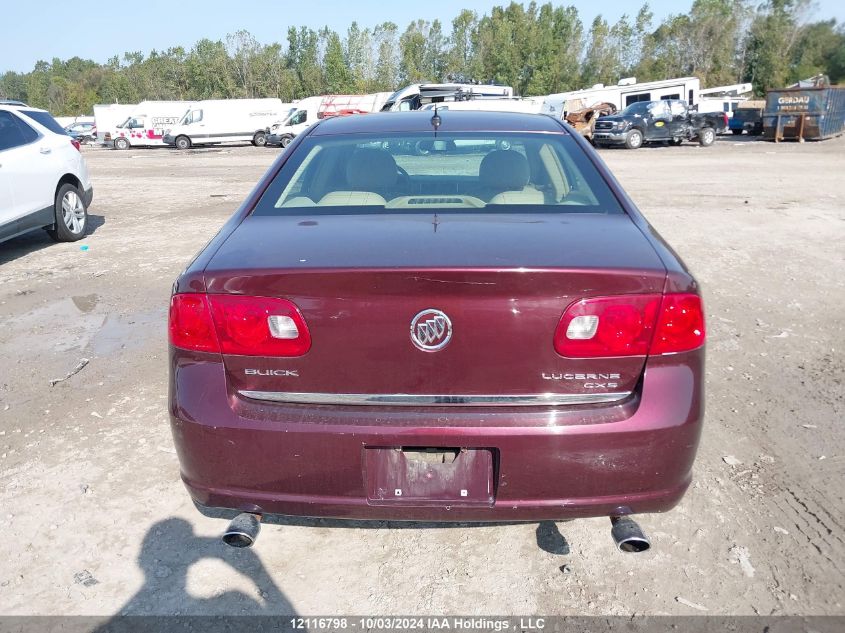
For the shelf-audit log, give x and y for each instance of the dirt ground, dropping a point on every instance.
(96, 521)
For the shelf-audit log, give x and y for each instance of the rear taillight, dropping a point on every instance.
(630, 325)
(680, 326)
(235, 324)
(75, 143)
(191, 326)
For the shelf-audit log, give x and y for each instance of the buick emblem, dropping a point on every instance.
(431, 330)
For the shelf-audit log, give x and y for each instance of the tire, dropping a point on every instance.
(71, 216)
(634, 139)
(706, 136)
(183, 142)
(285, 141)
(757, 131)
(121, 143)
(259, 140)
(736, 132)
(421, 149)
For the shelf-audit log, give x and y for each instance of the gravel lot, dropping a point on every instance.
(96, 520)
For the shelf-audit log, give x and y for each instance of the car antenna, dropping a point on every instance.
(435, 120)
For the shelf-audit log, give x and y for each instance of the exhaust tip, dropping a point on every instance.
(243, 530)
(628, 535)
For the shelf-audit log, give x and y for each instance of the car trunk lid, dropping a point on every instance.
(502, 281)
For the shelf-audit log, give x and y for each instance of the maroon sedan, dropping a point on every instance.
(458, 317)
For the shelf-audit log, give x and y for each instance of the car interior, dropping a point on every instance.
(415, 173)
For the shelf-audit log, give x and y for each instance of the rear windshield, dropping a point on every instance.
(44, 119)
(493, 172)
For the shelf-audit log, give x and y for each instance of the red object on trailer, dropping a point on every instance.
(344, 105)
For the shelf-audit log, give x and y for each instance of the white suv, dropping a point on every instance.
(43, 178)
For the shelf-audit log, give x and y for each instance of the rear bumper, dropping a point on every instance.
(594, 460)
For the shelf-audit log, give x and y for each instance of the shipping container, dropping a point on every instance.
(804, 113)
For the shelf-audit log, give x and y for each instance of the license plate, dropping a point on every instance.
(429, 476)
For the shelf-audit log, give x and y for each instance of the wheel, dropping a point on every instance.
(183, 142)
(71, 215)
(285, 141)
(259, 140)
(422, 148)
(634, 140)
(706, 136)
(121, 143)
(736, 132)
(757, 131)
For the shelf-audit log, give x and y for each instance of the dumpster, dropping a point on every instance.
(809, 110)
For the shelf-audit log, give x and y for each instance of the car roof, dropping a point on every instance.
(19, 106)
(450, 121)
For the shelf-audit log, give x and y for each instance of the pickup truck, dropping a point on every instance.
(668, 120)
(748, 117)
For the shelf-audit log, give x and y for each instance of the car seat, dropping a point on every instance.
(371, 174)
(504, 177)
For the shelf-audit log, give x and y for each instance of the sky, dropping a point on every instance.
(98, 29)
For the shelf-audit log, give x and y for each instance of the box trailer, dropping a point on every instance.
(805, 112)
(529, 105)
(145, 124)
(623, 94)
(415, 96)
(225, 120)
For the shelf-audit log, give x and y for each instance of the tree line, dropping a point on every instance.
(536, 48)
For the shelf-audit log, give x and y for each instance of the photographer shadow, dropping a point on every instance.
(169, 549)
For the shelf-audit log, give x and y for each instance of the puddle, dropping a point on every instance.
(85, 303)
(129, 332)
(83, 326)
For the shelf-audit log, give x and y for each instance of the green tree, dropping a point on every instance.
(774, 32)
(387, 65)
(337, 76)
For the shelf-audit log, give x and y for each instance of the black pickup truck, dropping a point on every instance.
(662, 121)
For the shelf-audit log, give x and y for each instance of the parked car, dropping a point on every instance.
(84, 132)
(748, 118)
(669, 120)
(44, 180)
(495, 336)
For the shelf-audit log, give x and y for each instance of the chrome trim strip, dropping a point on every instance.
(420, 400)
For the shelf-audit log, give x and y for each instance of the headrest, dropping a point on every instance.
(504, 169)
(370, 169)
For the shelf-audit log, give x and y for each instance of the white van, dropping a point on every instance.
(308, 111)
(108, 116)
(145, 124)
(225, 120)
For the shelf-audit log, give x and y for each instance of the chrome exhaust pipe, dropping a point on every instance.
(243, 530)
(628, 535)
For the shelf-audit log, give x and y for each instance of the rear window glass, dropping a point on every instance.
(461, 172)
(44, 118)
